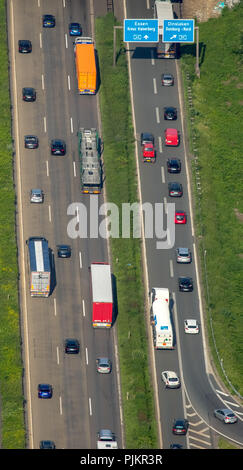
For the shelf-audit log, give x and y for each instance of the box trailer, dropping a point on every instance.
(160, 318)
(102, 296)
(85, 65)
(39, 265)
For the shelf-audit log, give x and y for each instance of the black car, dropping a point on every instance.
(31, 142)
(63, 251)
(170, 113)
(47, 445)
(58, 147)
(48, 21)
(180, 426)
(29, 94)
(175, 189)
(71, 346)
(25, 46)
(174, 165)
(185, 284)
(176, 446)
(146, 137)
(44, 391)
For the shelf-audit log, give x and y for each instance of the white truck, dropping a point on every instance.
(106, 440)
(163, 10)
(160, 316)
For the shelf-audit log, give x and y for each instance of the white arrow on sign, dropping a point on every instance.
(146, 37)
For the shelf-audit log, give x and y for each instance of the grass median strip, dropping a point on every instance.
(12, 426)
(121, 187)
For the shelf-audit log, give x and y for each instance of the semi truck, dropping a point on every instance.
(102, 296)
(90, 161)
(85, 65)
(160, 318)
(40, 267)
(163, 10)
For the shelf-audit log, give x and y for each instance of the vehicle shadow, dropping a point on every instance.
(53, 271)
(115, 302)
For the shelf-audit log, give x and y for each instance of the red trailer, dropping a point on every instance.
(102, 298)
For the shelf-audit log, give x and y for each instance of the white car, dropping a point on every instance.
(170, 379)
(36, 196)
(191, 326)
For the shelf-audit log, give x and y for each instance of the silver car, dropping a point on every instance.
(226, 415)
(36, 195)
(183, 255)
(103, 365)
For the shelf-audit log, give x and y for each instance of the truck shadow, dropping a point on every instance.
(53, 271)
(171, 305)
(115, 302)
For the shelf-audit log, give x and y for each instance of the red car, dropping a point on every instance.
(172, 137)
(148, 152)
(180, 217)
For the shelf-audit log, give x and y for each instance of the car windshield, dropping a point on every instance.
(173, 379)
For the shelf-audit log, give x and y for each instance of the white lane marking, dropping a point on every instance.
(152, 57)
(147, 4)
(40, 40)
(171, 268)
(77, 211)
(66, 40)
(222, 393)
(87, 357)
(165, 205)
(80, 260)
(71, 124)
(90, 407)
(60, 402)
(155, 86)
(42, 81)
(83, 308)
(58, 355)
(74, 169)
(55, 307)
(69, 84)
(64, 3)
(160, 144)
(157, 115)
(47, 168)
(39, 3)
(49, 208)
(44, 119)
(163, 174)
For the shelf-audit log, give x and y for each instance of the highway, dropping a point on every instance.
(200, 394)
(83, 401)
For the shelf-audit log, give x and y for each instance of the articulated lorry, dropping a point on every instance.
(85, 65)
(90, 161)
(102, 296)
(160, 318)
(39, 265)
(163, 10)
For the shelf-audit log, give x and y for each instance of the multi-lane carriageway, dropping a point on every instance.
(82, 400)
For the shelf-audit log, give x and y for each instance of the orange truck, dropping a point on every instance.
(85, 65)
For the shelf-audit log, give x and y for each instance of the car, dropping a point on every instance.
(48, 21)
(176, 446)
(103, 365)
(146, 137)
(148, 152)
(75, 29)
(183, 255)
(180, 426)
(58, 147)
(71, 346)
(31, 142)
(47, 445)
(185, 284)
(170, 113)
(191, 326)
(170, 379)
(226, 415)
(175, 189)
(167, 79)
(180, 217)
(25, 46)
(29, 94)
(106, 439)
(36, 196)
(44, 391)
(174, 165)
(172, 137)
(64, 251)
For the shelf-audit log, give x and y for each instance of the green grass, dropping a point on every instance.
(12, 417)
(121, 186)
(218, 117)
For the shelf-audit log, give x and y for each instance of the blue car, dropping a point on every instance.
(44, 391)
(75, 29)
(48, 21)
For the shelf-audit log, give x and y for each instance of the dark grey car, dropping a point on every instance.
(31, 142)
